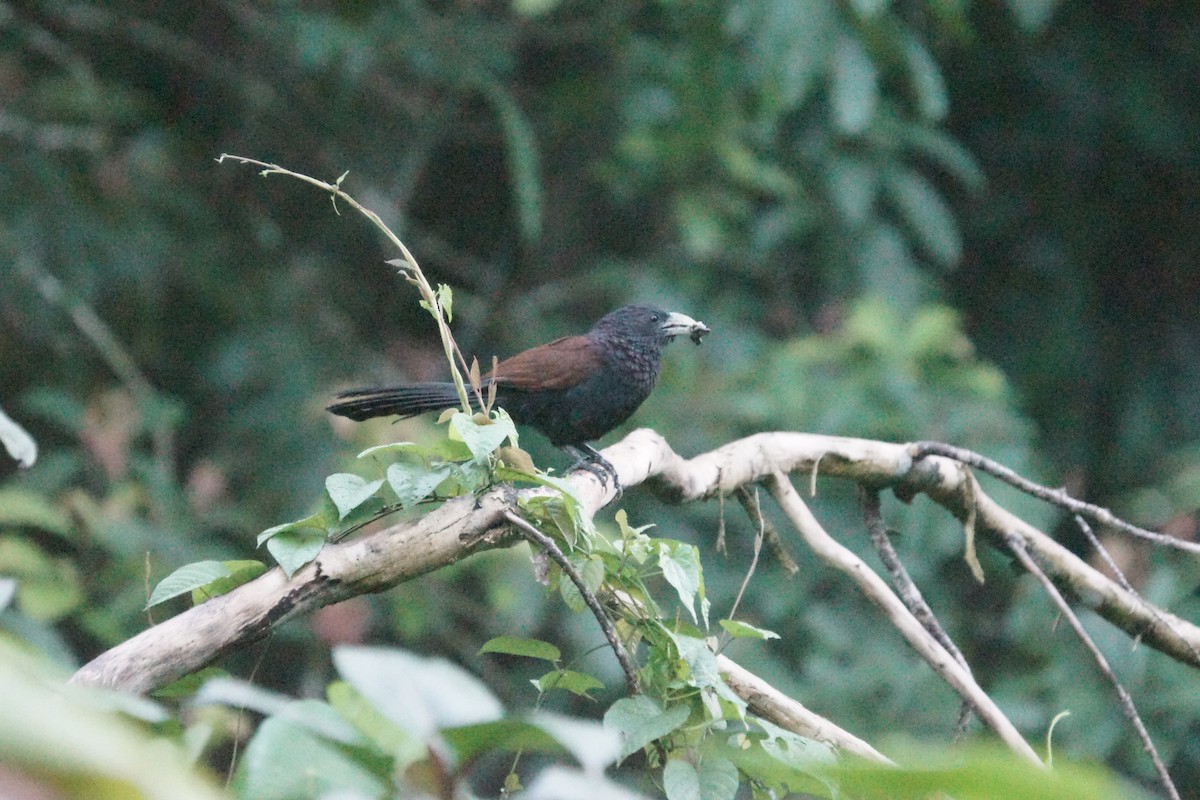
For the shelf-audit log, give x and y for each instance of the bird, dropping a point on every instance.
(573, 390)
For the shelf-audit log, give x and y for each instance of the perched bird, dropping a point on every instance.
(574, 389)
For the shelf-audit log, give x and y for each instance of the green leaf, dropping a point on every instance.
(421, 695)
(681, 781)
(394, 447)
(504, 735)
(284, 761)
(591, 572)
(579, 683)
(317, 521)
(922, 207)
(413, 482)
(594, 746)
(19, 507)
(189, 684)
(445, 298)
(854, 89)
(718, 778)
(349, 491)
(744, 630)
(680, 564)
(516, 646)
(17, 442)
(702, 664)
(927, 81)
(523, 164)
(481, 434)
(240, 572)
(640, 720)
(387, 736)
(295, 547)
(48, 588)
(186, 578)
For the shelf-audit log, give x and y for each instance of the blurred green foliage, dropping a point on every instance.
(820, 182)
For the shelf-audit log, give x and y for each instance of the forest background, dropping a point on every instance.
(973, 222)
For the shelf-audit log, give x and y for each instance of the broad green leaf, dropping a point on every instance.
(21, 508)
(482, 435)
(718, 778)
(680, 564)
(284, 761)
(516, 646)
(48, 588)
(503, 735)
(523, 166)
(922, 207)
(387, 736)
(579, 683)
(594, 746)
(744, 630)
(702, 664)
(421, 695)
(928, 84)
(295, 547)
(681, 781)
(186, 578)
(854, 87)
(641, 720)
(349, 491)
(413, 482)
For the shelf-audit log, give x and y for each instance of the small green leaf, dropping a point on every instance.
(579, 683)
(189, 684)
(187, 578)
(412, 483)
(294, 548)
(239, 572)
(516, 646)
(483, 437)
(744, 630)
(445, 298)
(317, 521)
(680, 564)
(349, 491)
(854, 89)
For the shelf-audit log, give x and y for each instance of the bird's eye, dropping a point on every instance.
(654, 317)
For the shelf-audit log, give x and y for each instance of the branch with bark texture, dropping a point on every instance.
(460, 527)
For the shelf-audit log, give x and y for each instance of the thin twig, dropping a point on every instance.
(1058, 497)
(876, 590)
(543, 541)
(1018, 549)
(758, 542)
(906, 588)
(1126, 585)
(774, 542)
(411, 270)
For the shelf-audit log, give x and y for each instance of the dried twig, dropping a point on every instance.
(543, 541)
(1017, 546)
(1058, 497)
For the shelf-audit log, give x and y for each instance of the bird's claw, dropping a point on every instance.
(592, 462)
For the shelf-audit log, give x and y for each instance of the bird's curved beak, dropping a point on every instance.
(677, 324)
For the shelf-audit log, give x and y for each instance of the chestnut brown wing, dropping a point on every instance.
(557, 365)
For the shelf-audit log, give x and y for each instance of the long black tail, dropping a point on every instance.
(405, 401)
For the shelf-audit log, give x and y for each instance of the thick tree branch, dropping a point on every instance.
(378, 561)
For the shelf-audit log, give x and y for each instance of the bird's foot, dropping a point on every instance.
(589, 459)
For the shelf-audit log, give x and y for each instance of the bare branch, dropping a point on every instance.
(841, 558)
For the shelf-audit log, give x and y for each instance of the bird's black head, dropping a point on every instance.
(649, 324)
